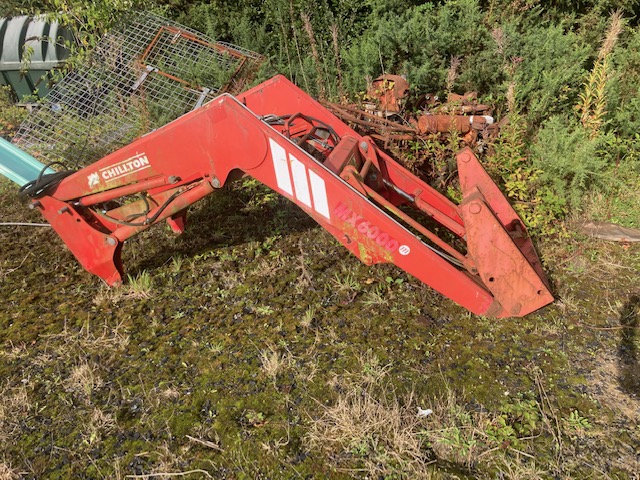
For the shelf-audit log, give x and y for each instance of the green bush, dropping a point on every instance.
(551, 71)
(623, 92)
(420, 43)
(569, 160)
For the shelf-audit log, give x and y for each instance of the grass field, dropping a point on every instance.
(254, 346)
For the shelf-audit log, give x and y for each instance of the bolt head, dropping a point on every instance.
(215, 183)
(111, 241)
(475, 208)
(364, 146)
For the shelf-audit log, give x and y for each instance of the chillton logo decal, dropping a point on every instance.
(291, 176)
(136, 163)
(371, 231)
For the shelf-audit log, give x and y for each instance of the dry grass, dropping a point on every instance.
(452, 73)
(140, 286)
(266, 267)
(8, 473)
(167, 465)
(375, 427)
(370, 430)
(383, 434)
(454, 433)
(108, 295)
(13, 351)
(616, 25)
(104, 338)
(273, 362)
(83, 380)
(373, 370)
(307, 318)
(99, 423)
(376, 297)
(170, 393)
(14, 405)
(136, 288)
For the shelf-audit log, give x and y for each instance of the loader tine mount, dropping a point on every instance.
(477, 253)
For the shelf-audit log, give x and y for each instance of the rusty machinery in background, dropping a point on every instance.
(387, 115)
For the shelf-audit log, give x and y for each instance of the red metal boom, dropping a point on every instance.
(282, 137)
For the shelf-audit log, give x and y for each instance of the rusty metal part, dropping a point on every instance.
(386, 130)
(461, 104)
(455, 104)
(458, 123)
(388, 92)
(381, 129)
(360, 117)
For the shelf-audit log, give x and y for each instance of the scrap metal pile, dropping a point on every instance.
(388, 114)
(145, 73)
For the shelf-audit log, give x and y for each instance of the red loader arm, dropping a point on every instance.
(282, 137)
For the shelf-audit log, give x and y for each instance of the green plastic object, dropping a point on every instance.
(14, 33)
(34, 44)
(19, 166)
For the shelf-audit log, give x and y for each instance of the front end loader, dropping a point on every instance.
(477, 252)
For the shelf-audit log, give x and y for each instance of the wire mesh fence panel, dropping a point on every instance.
(145, 73)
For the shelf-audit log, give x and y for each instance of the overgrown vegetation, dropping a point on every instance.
(252, 346)
(11, 115)
(565, 75)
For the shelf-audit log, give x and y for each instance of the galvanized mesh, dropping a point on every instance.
(145, 73)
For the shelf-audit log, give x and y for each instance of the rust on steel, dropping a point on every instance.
(389, 91)
(388, 115)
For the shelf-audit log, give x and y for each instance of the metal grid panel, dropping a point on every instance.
(181, 56)
(145, 73)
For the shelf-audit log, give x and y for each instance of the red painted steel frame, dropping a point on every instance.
(356, 194)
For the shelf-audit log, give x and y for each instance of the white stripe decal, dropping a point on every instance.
(279, 157)
(319, 192)
(300, 182)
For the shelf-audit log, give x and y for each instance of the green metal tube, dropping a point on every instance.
(19, 166)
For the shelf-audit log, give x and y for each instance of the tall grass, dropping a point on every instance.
(593, 99)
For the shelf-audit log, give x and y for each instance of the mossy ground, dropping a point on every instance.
(228, 350)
